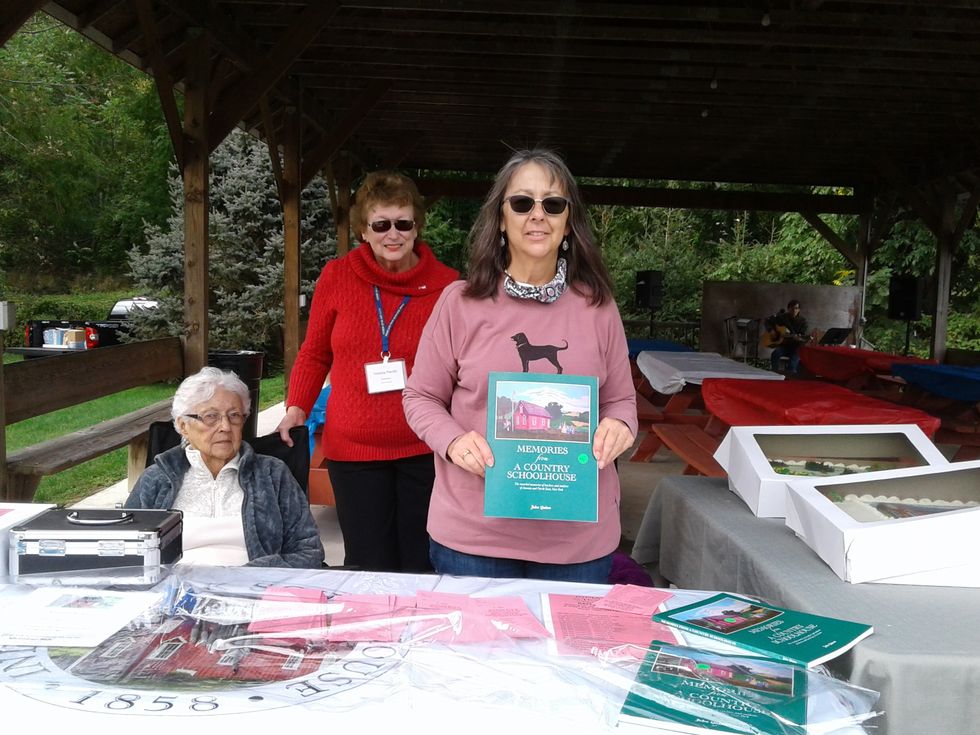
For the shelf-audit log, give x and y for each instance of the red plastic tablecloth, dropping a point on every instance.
(801, 403)
(844, 363)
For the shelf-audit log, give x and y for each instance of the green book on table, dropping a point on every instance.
(767, 630)
(690, 690)
(541, 427)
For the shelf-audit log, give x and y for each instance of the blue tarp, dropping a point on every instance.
(318, 416)
(948, 381)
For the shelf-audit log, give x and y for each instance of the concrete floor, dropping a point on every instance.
(637, 479)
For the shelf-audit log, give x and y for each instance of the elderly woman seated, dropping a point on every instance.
(239, 507)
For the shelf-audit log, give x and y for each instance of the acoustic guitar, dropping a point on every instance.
(780, 335)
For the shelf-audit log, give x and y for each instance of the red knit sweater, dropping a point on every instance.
(344, 334)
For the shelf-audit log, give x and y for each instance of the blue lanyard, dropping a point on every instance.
(386, 328)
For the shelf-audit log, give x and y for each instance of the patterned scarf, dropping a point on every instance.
(546, 294)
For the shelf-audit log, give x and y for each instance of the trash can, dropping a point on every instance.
(247, 365)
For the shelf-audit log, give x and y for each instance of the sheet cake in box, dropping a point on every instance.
(911, 526)
(761, 460)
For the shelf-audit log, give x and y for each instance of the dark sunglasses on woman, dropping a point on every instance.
(402, 225)
(522, 204)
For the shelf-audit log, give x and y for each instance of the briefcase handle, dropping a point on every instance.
(122, 518)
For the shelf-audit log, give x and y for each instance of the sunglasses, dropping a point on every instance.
(522, 204)
(402, 225)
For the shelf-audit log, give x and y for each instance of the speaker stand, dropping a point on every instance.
(650, 329)
(908, 335)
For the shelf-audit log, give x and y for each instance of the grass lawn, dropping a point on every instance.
(79, 482)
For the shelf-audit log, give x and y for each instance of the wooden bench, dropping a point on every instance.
(36, 387)
(692, 445)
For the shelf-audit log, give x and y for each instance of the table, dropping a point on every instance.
(948, 381)
(669, 372)
(843, 364)
(503, 685)
(804, 402)
(924, 656)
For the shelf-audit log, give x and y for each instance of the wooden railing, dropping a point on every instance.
(39, 386)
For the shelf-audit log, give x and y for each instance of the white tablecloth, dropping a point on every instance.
(669, 372)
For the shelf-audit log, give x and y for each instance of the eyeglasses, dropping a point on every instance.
(522, 204)
(213, 418)
(402, 225)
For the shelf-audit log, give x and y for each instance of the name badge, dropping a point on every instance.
(385, 376)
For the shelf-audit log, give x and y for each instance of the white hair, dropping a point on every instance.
(201, 386)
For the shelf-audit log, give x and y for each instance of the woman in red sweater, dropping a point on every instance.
(368, 311)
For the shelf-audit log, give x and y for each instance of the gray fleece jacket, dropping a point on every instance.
(279, 529)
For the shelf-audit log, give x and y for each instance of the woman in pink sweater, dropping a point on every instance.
(368, 312)
(537, 299)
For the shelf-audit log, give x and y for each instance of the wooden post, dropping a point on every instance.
(196, 203)
(291, 221)
(3, 426)
(945, 245)
(342, 170)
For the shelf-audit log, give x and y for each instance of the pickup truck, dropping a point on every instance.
(82, 334)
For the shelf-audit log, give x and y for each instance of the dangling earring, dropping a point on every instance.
(564, 245)
(503, 240)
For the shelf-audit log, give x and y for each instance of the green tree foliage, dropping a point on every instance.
(246, 252)
(83, 156)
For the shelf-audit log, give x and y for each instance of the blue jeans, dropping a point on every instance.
(793, 353)
(458, 564)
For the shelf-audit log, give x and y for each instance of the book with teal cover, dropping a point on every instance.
(540, 428)
(767, 630)
(690, 690)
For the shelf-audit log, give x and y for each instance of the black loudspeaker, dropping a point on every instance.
(649, 289)
(905, 297)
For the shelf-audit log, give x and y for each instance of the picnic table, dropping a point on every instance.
(948, 381)
(670, 372)
(843, 364)
(802, 403)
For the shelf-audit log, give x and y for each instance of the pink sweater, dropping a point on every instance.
(446, 396)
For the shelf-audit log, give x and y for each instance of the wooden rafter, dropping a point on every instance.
(241, 97)
(343, 129)
(841, 245)
(164, 82)
(15, 15)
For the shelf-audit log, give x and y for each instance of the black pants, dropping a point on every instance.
(383, 508)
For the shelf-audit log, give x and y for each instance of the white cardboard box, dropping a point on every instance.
(13, 514)
(745, 452)
(941, 549)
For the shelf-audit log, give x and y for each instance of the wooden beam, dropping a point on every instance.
(15, 14)
(96, 10)
(36, 387)
(196, 204)
(945, 248)
(272, 142)
(161, 75)
(292, 221)
(641, 196)
(967, 215)
(3, 422)
(832, 237)
(342, 175)
(343, 129)
(241, 97)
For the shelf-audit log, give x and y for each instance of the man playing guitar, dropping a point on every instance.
(785, 332)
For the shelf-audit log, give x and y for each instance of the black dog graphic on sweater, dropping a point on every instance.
(529, 352)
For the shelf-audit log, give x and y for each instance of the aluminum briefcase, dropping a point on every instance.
(65, 539)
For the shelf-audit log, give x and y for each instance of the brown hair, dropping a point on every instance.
(381, 188)
(586, 273)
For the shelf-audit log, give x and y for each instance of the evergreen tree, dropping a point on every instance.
(246, 252)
